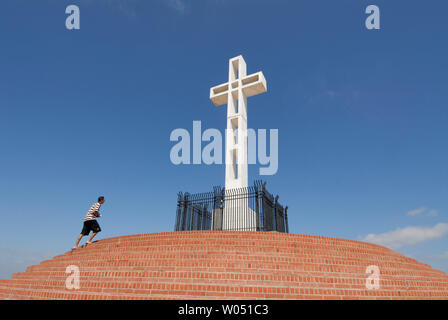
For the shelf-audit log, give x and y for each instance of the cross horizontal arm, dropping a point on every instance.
(251, 85)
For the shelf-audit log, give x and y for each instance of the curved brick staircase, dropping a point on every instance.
(228, 265)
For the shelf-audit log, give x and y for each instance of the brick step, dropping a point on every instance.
(214, 276)
(359, 274)
(217, 266)
(19, 294)
(347, 282)
(92, 285)
(230, 274)
(193, 254)
(176, 286)
(236, 259)
(322, 254)
(188, 252)
(266, 236)
(239, 237)
(235, 240)
(263, 247)
(243, 293)
(248, 266)
(206, 292)
(314, 279)
(391, 268)
(260, 247)
(220, 247)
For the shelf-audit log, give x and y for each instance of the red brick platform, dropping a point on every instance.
(228, 265)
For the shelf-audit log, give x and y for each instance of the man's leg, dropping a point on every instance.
(91, 237)
(77, 241)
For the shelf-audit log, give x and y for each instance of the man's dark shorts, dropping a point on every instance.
(90, 225)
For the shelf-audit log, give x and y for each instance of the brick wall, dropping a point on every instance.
(228, 265)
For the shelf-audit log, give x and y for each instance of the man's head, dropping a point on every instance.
(101, 200)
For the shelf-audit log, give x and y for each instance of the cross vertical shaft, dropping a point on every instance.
(236, 133)
(235, 93)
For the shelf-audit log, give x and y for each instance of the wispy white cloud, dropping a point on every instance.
(178, 5)
(407, 236)
(433, 213)
(419, 211)
(416, 212)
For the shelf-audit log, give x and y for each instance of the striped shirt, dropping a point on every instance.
(90, 215)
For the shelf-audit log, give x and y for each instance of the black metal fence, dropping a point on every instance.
(245, 209)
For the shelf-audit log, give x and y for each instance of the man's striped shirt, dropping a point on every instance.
(90, 215)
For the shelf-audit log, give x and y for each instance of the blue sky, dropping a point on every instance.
(362, 116)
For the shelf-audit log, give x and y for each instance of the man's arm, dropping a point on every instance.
(96, 213)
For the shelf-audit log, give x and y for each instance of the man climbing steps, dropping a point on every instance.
(90, 223)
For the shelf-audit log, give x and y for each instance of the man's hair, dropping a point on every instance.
(100, 198)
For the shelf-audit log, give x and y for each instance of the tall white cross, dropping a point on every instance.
(235, 93)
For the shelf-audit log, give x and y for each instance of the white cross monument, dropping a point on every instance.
(234, 93)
